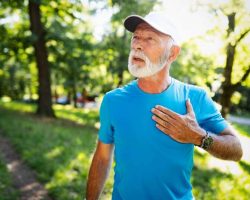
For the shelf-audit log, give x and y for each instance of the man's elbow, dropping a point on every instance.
(234, 147)
(239, 154)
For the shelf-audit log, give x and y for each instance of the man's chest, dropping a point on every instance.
(132, 122)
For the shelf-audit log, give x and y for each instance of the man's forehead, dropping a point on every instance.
(146, 27)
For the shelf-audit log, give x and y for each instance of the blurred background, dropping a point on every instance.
(58, 59)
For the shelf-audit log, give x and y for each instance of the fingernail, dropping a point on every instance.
(152, 109)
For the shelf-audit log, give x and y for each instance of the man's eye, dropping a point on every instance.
(135, 37)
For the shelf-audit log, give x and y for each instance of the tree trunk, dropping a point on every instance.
(227, 87)
(74, 95)
(120, 78)
(123, 59)
(44, 91)
(226, 101)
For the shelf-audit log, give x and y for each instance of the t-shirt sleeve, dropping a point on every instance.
(209, 116)
(106, 130)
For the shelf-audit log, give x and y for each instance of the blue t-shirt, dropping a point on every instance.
(149, 165)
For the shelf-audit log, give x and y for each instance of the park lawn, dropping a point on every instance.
(7, 191)
(243, 129)
(60, 152)
(79, 116)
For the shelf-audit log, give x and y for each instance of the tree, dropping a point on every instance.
(227, 87)
(63, 41)
(236, 69)
(193, 66)
(44, 91)
(13, 58)
(70, 43)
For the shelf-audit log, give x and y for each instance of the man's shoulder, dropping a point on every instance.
(188, 87)
(121, 91)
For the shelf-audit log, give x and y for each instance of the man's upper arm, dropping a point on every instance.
(209, 116)
(229, 130)
(104, 151)
(106, 129)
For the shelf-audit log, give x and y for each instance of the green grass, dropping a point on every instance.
(80, 116)
(60, 152)
(242, 129)
(7, 191)
(213, 183)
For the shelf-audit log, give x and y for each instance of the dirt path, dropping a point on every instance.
(24, 178)
(240, 120)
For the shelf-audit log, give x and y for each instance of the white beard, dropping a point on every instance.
(150, 68)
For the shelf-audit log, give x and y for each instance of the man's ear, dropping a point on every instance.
(175, 51)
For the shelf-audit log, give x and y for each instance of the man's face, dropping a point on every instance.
(149, 51)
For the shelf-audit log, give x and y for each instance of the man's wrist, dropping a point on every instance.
(206, 141)
(201, 136)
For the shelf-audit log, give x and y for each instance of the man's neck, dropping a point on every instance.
(155, 84)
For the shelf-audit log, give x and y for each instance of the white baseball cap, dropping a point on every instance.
(157, 20)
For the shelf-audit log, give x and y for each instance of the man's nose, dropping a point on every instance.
(137, 45)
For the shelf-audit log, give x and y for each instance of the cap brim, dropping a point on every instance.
(132, 21)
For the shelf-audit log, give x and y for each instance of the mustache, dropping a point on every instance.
(138, 54)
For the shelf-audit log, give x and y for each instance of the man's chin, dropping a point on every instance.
(138, 65)
(140, 74)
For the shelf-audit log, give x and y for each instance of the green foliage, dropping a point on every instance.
(242, 107)
(7, 191)
(129, 7)
(194, 67)
(69, 41)
(233, 30)
(13, 58)
(70, 45)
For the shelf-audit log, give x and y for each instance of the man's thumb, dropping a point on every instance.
(189, 106)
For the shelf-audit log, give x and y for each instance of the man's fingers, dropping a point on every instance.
(163, 116)
(160, 121)
(163, 129)
(168, 112)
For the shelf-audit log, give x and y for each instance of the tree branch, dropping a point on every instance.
(243, 78)
(242, 36)
(68, 13)
(73, 16)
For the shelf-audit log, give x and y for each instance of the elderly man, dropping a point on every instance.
(154, 122)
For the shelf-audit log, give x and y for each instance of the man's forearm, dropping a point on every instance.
(98, 174)
(226, 147)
